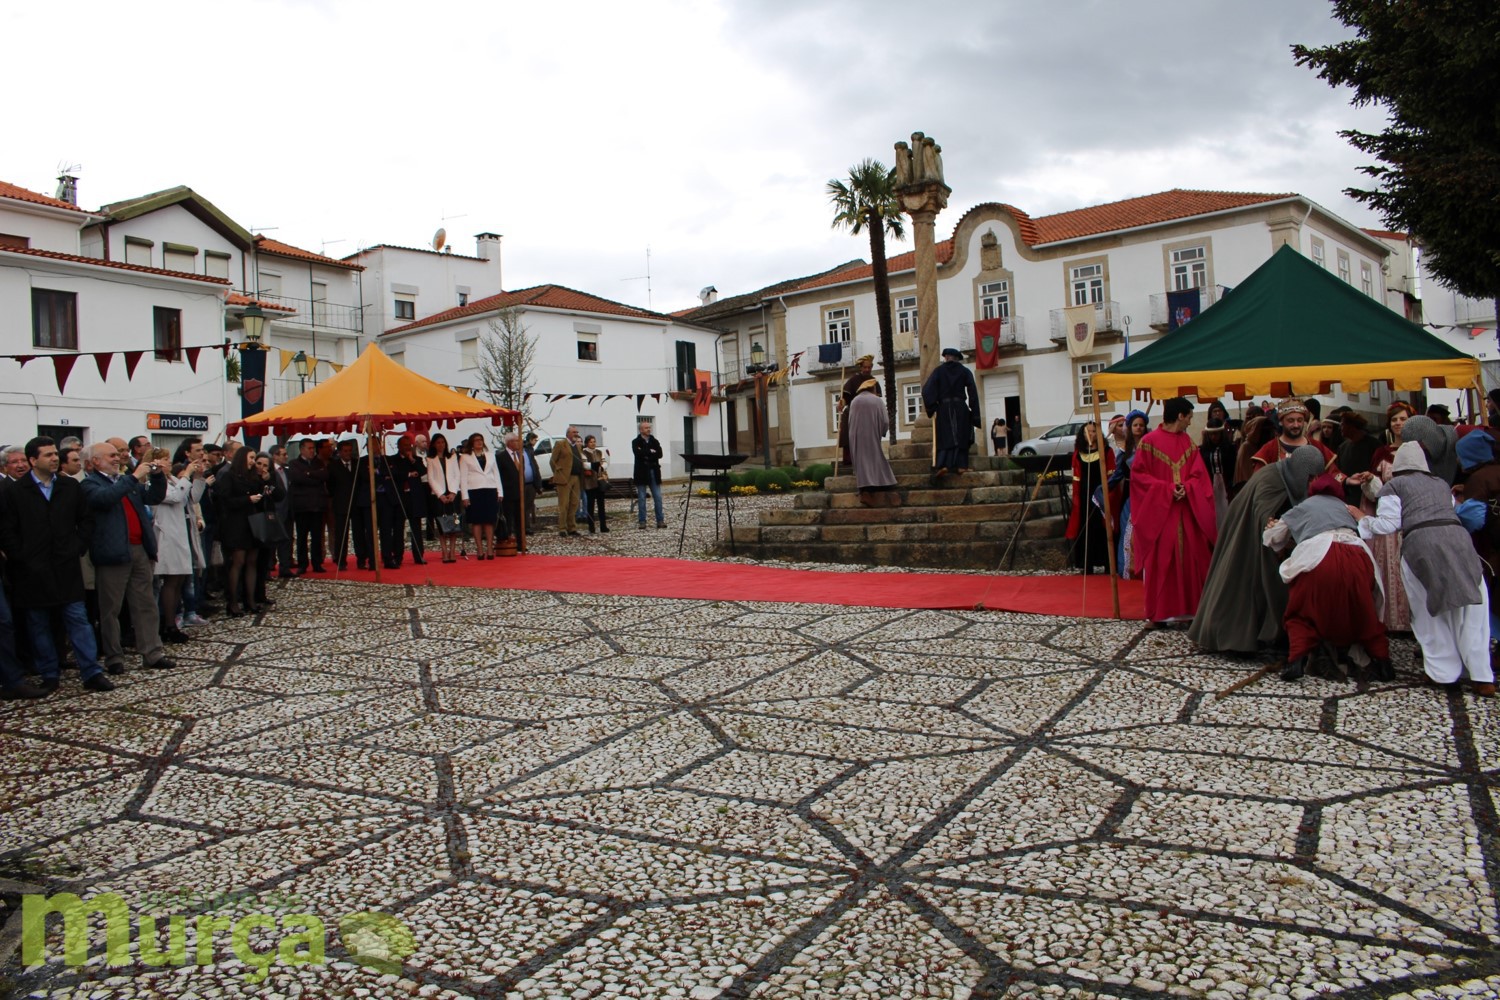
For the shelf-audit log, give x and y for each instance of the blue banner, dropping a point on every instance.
(1181, 307)
(252, 387)
(830, 354)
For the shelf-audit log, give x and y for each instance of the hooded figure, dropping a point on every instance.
(867, 423)
(1439, 443)
(1449, 605)
(1245, 598)
(1482, 493)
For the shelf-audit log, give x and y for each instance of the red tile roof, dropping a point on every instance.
(540, 296)
(236, 299)
(22, 194)
(1386, 234)
(1132, 213)
(265, 244)
(54, 255)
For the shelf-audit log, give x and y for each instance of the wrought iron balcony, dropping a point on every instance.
(317, 314)
(812, 360)
(1012, 334)
(1107, 319)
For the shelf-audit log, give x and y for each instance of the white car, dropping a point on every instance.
(1058, 441)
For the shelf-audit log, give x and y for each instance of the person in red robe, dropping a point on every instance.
(1293, 415)
(1172, 509)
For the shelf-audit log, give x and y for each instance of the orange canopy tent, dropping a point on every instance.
(372, 396)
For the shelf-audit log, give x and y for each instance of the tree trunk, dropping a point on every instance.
(883, 315)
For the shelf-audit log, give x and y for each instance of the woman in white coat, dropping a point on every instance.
(480, 491)
(443, 479)
(174, 547)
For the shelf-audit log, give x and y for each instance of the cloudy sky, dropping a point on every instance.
(586, 132)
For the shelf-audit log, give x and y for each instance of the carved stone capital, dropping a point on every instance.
(930, 197)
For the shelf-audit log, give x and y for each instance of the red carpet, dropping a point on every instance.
(1070, 596)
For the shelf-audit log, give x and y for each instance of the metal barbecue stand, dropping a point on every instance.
(712, 469)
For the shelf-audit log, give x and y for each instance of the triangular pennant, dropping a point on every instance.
(286, 360)
(576, 395)
(525, 397)
(640, 398)
(656, 397)
(312, 363)
(336, 368)
(21, 359)
(101, 361)
(610, 396)
(224, 348)
(592, 398)
(132, 358)
(192, 358)
(62, 366)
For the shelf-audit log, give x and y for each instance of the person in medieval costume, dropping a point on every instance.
(1218, 453)
(850, 389)
(1482, 492)
(867, 422)
(1172, 508)
(1443, 576)
(1439, 444)
(1245, 598)
(1387, 548)
(1293, 417)
(1334, 592)
(952, 401)
(1126, 565)
(1093, 461)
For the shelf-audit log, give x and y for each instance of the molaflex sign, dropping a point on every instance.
(258, 939)
(192, 423)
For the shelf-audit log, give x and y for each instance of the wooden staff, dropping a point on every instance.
(838, 452)
(1264, 671)
(370, 444)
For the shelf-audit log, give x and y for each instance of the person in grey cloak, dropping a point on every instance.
(1450, 612)
(868, 423)
(952, 400)
(1439, 444)
(1244, 600)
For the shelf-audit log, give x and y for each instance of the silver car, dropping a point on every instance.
(1058, 441)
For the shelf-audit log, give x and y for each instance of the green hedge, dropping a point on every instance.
(792, 472)
(742, 478)
(764, 478)
(818, 472)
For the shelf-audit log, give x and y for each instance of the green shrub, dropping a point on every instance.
(772, 481)
(818, 472)
(792, 472)
(746, 478)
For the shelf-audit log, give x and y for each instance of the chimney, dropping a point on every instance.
(489, 250)
(67, 189)
(708, 295)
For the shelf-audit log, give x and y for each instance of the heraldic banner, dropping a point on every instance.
(703, 392)
(986, 343)
(1078, 324)
(252, 387)
(1181, 307)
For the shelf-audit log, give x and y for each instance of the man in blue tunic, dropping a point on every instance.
(952, 401)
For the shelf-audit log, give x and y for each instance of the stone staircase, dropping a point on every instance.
(965, 522)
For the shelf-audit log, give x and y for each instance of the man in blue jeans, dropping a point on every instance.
(648, 453)
(44, 523)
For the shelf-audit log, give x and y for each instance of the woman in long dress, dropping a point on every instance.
(1136, 425)
(1093, 461)
(443, 480)
(1387, 548)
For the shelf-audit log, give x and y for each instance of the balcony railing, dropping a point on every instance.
(812, 361)
(1012, 334)
(1107, 318)
(1160, 312)
(317, 313)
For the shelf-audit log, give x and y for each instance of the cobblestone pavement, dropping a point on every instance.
(570, 796)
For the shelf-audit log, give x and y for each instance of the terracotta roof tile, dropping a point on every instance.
(541, 296)
(267, 245)
(732, 304)
(1386, 234)
(54, 255)
(893, 265)
(236, 299)
(22, 194)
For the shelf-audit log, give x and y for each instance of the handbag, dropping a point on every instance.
(448, 524)
(267, 528)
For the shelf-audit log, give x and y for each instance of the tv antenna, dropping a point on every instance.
(329, 243)
(64, 167)
(646, 277)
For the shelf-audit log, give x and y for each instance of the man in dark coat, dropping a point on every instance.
(518, 476)
(952, 400)
(862, 369)
(343, 477)
(647, 473)
(308, 477)
(44, 528)
(406, 504)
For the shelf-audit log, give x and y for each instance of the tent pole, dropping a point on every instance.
(374, 523)
(521, 486)
(1109, 531)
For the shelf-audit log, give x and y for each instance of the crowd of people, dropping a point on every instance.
(120, 546)
(1308, 538)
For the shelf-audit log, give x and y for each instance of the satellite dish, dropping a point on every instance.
(439, 238)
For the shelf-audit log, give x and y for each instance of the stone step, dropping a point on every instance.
(923, 481)
(922, 466)
(848, 510)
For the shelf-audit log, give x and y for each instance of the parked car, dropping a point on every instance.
(1058, 441)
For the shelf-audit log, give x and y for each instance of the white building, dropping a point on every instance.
(402, 285)
(607, 364)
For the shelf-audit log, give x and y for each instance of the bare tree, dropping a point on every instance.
(507, 355)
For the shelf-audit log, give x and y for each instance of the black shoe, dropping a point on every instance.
(47, 684)
(604, 528)
(319, 569)
(234, 613)
(26, 690)
(163, 664)
(661, 524)
(1381, 669)
(175, 635)
(1294, 669)
(264, 602)
(115, 668)
(592, 529)
(98, 682)
(343, 564)
(419, 560)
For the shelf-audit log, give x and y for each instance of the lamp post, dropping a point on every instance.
(252, 367)
(300, 360)
(761, 369)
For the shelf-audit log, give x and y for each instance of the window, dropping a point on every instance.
(12, 240)
(906, 314)
(215, 265)
(690, 435)
(1344, 271)
(406, 307)
(468, 353)
(1189, 268)
(176, 257)
(687, 361)
(270, 286)
(1087, 283)
(54, 319)
(588, 346)
(138, 251)
(838, 325)
(1318, 256)
(1086, 372)
(994, 300)
(833, 411)
(168, 325)
(463, 298)
(319, 303)
(911, 402)
(1366, 278)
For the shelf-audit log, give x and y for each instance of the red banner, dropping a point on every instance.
(986, 343)
(703, 394)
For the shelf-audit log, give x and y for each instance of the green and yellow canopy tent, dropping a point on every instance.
(1289, 329)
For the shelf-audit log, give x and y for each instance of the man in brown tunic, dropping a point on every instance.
(862, 369)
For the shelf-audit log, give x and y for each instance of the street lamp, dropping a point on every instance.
(762, 369)
(254, 322)
(757, 357)
(300, 360)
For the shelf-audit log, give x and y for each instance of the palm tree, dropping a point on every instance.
(868, 202)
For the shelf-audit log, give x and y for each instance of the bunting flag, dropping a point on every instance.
(592, 398)
(192, 358)
(1182, 306)
(62, 367)
(986, 343)
(286, 360)
(224, 348)
(1078, 327)
(703, 394)
(1478, 331)
(336, 368)
(132, 358)
(101, 361)
(639, 399)
(795, 363)
(656, 397)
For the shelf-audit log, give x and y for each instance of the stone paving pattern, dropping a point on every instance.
(576, 796)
